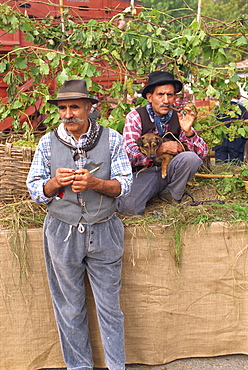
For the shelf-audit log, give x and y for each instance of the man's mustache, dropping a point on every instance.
(72, 120)
(165, 105)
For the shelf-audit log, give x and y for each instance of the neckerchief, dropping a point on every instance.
(91, 139)
(160, 121)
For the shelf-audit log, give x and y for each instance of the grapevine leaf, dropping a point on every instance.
(17, 104)
(63, 76)
(149, 43)
(241, 41)
(116, 54)
(241, 131)
(21, 62)
(211, 91)
(51, 55)
(3, 66)
(44, 68)
(29, 37)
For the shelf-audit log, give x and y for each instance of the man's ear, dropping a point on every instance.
(89, 108)
(148, 97)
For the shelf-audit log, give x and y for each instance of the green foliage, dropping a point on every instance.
(231, 186)
(244, 172)
(211, 11)
(214, 131)
(195, 52)
(220, 212)
(228, 185)
(224, 10)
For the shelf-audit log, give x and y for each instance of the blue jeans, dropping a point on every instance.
(69, 253)
(227, 154)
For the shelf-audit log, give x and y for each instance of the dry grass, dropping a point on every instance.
(24, 213)
(205, 201)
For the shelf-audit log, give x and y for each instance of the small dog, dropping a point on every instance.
(149, 144)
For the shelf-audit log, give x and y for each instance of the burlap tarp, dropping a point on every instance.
(199, 309)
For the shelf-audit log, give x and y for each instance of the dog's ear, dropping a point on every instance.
(139, 141)
(159, 140)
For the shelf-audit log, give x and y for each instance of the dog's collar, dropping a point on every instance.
(139, 168)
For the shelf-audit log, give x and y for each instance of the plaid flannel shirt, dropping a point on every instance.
(133, 130)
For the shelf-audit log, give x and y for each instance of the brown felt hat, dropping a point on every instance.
(161, 78)
(73, 89)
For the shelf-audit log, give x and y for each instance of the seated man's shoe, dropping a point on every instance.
(166, 196)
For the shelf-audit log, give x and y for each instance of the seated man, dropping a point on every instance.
(159, 117)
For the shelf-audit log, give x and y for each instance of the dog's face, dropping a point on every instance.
(148, 144)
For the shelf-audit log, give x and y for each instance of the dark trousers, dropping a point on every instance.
(149, 182)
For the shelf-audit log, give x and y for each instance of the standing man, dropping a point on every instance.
(79, 170)
(159, 117)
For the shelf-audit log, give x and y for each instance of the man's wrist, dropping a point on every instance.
(51, 187)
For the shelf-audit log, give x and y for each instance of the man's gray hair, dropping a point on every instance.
(87, 102)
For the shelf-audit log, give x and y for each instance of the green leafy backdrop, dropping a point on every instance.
(202, 53)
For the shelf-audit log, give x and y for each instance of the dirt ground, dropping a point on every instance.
(229, 362)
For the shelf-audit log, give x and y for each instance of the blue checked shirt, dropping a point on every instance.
(39, 173)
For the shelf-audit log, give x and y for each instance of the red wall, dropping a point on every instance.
(96, 9)
(84, 9)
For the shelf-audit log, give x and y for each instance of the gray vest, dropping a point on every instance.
(96, 207)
